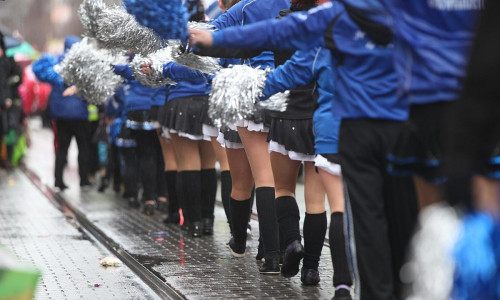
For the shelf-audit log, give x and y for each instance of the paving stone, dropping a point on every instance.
(35, 232)
(199, 268)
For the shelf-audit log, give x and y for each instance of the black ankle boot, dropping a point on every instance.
(133, 202)
(208, 226)
(342, 293)
(149, 209)
(61, 186)
(172, 218)
(104, 185)
(237, 250)
(291, 260)
(309, 276)
(162, 206)
(260, 251)
(271, 266)
(195, 229)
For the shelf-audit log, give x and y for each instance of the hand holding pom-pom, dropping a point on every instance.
(199, 37)
(72, 90)
(149, 70)
(146, 67)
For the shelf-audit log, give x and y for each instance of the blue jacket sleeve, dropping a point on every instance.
(124, 71)
(44, 71)
(299, 30)
(295, 72)
(230, 18)
(179, 72)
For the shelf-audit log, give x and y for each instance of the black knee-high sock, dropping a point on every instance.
(179, 188)
(287, 212)
(171, 182)
(252, 200)
(208, 192)
(342, 274)
(191, 182)
(268, 224)
(282, 239)
(225, 193)
(314, 238)
(239, 211)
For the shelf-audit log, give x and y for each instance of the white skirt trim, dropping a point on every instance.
(250, 125)
(275, 147)
(210, 131)
(186, 135)
(227, 144)
(327, 166)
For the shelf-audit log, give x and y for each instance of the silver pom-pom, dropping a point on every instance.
(172, 53)
(119, 29)
(430, 269)
(89, 13)
(157, 60)
(90, 70)
(201, 26)
(204, 64)
(277, 102)
(235, 91)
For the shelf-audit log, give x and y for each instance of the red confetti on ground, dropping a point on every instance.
(182, 217)
(159, 239)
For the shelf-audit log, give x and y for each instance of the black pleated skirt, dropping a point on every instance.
(294, 135)
(184, 115)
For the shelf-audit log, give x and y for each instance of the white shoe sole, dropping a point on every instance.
(271, 273)
(237, 255)
(234, 254)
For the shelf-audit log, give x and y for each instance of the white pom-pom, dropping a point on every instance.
(277, 102)
(119, 29)
(204, 64)
(235, 91)
(90, 70)
(430, 268)
(89, 13)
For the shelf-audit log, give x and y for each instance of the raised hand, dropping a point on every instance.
(200, 37)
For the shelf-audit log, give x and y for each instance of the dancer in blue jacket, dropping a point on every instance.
(432, 42)
(141, 120)
(251, 166)
(71, 117)
(303, 68)
(182, 118)
(372, 118)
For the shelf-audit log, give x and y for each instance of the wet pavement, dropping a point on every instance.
(39, 234)
(198, 268)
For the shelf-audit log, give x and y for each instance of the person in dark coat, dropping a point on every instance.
(71, 117)
(10, 78)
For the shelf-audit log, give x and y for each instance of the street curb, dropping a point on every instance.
(162, 289)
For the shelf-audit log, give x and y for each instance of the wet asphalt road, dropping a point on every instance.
(37, 233)
(196, 268)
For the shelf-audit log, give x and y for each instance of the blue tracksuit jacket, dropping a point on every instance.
(251, 11)
(68, 108)
(189, 82)
(366, 85)
(432, 43)
(301, 69)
